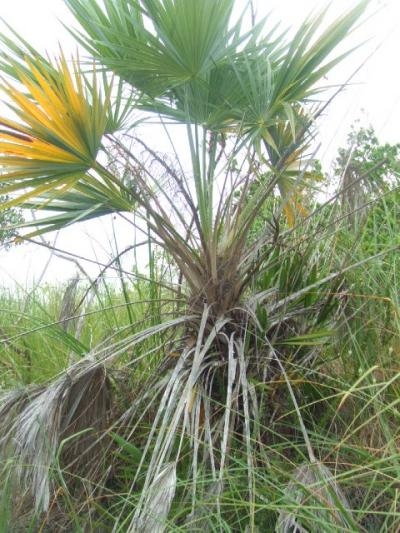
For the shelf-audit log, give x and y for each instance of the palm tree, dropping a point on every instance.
(248, 101)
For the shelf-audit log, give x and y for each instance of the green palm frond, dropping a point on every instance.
(195, 63)
(16, 51)
(189, 38)
(183, 67)
(83, 204)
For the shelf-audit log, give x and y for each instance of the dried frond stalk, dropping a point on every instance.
(34, 423)
(313, 485)
(158, 503)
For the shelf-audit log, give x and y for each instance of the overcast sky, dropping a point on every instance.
(373, 97)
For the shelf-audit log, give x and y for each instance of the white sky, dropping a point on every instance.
(374, 97)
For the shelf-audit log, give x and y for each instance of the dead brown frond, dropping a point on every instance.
(158, 502)
(35, 422)
(313, 486)
(68, 305)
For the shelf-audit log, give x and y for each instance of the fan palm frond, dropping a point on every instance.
(314, 485)
(51, 145)
(42, 417)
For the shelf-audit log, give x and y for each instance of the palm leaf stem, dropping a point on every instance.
(149, 191)
(177, 179)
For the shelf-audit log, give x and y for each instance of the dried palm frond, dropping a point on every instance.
(313, 486)
(43, 417)
(10, 403)
(68, 305)
(38, 424)
(158, 503)
(186, 413)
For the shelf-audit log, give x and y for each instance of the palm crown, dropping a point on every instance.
(187, 62)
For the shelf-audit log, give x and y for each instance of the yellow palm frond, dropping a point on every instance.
(60, 119)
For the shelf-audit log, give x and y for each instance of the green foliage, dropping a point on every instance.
(377, 165)
(369, 199)
(368, 171)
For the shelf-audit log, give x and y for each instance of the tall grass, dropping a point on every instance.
(324, 446)
(45, 330)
